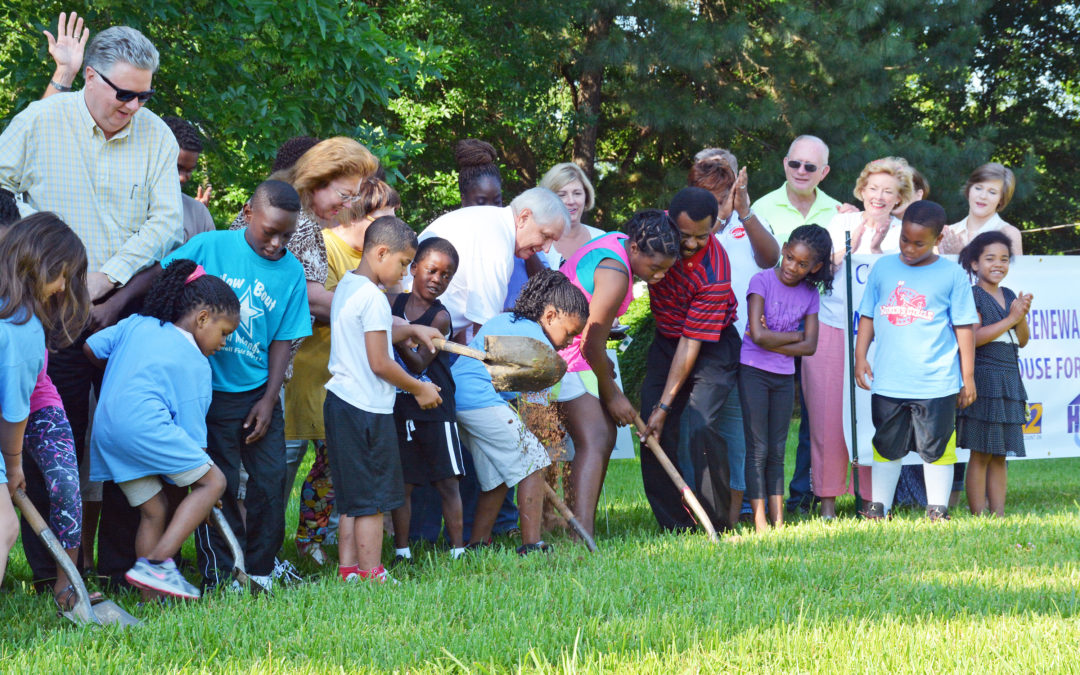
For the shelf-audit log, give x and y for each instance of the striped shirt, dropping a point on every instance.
(121, 195)
(694, 299)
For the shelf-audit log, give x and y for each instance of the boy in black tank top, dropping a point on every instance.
(428, 439)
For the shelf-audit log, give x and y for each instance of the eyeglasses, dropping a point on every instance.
(795, 164)
(126, 95)
(346, 198)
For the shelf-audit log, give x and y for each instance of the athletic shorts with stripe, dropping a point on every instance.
(924, 426)
(430, 450)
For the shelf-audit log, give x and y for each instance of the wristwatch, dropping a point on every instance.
(59, 87)
(664, 406)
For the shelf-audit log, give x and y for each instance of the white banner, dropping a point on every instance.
(1049, 364)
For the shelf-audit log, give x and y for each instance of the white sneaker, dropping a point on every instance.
(266, 582)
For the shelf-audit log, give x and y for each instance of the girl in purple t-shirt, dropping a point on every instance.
(782, 324)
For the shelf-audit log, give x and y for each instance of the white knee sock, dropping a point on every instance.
(884, 477)
(939, 479)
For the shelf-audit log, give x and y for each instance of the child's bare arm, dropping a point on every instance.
(862, 346)
(412, 334)
(965, 338)
(385, 368)
(760, 333)
(258, 418)
(89, 353)
(808, 344)
(419, 359)
(11, 443)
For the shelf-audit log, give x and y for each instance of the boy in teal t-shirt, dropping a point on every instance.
(920, 310)
(245, 423)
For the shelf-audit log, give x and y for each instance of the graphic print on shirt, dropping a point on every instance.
(905, 306)
(255, 303)
(739, 232)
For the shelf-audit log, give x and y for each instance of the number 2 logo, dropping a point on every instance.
(1034, 419)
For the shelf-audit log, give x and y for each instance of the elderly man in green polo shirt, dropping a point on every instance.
(799, 201)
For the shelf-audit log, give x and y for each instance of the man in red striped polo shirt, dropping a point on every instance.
(692, 364)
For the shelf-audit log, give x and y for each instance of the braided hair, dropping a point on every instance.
(654, 233)
(970, 253)
(817, 239)
(548, 287)
(475, 159)
(291, 150)
(171, 296)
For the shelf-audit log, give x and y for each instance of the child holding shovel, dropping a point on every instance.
(550, 309)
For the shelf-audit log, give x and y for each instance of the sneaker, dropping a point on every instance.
(285, 572)
(936, 513)
(400, 560)
(163, 578)
(874, 511)
(480, 545)
(539, 547)
(265, 582)
(383, 577)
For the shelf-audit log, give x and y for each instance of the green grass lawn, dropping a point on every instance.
(971, 595)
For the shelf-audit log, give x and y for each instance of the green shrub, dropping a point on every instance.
(632, 361)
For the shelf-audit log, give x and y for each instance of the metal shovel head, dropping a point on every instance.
(520, 363)
(105, 613)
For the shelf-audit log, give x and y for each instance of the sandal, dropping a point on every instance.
(65, 600)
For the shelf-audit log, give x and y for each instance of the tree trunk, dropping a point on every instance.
(588, 92)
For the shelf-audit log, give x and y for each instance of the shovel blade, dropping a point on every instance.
(108, 613)
(520, 363)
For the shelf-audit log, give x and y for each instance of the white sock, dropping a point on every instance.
(404, 552)
(939, 479)
(456, 553)
(883, 479)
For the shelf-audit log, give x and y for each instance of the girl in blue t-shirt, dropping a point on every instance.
(150, 421)
(42, 289)
(782, 323)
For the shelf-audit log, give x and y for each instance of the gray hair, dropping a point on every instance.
(815, 139)
(546, 207)
(561, 175)
(121, 44)
(726, 155)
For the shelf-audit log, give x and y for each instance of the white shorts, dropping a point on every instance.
(503, 450)
(141, 490)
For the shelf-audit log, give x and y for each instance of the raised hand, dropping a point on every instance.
(69, 44)
(203, 194)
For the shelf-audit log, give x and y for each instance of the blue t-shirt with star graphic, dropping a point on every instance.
(273, 304)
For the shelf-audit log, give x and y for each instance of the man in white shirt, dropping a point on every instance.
(487, 239)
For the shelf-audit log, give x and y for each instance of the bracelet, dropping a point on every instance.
(59, 87)
(663, 406)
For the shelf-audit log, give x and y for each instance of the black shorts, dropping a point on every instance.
(365, 466)
(925, 426)
(430, 450)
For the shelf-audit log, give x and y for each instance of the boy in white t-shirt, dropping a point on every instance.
(362, 445)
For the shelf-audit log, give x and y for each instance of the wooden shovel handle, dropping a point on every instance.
(37, 523)
(562, 508)
(687, 494)
(461, 350)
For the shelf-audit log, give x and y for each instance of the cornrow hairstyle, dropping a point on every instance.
(695, 202)
(276, 193)
(391, 232)
(291, 150)
(34, 252)
(437, 245)
(654, 233)
(9, 211)
(187, 136)
(475, 159)
(171, 297)
(927, 214)
(817, 239)
(549, 287)
(970, 253)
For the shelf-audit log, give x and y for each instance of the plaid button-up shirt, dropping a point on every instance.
(121, 195)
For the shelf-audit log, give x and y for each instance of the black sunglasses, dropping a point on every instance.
(793, 163)
(126, 95)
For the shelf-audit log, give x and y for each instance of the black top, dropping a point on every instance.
(438, 371)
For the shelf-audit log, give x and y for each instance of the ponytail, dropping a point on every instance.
(172, 295)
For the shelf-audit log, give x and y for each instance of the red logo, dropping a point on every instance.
(738, 232)
(904, 306)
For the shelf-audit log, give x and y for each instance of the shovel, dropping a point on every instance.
(239, 571)
(515, 362)
(102, 613)
(687, 494)
(563, 509)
